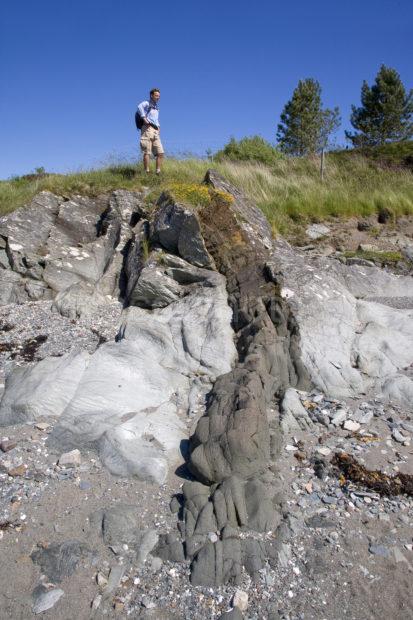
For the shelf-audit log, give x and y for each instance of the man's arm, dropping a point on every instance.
(143, 110)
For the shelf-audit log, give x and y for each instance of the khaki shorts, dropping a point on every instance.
(150, 141)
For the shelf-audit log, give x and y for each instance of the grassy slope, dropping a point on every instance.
(289, 191)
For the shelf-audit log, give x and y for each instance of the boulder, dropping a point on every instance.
(176, 228)
(79, 299)
(317, 231)
(294, 416)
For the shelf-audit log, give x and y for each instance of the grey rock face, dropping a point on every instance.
(53, 244)
(26, 232)
(188, 331)
(354, 334)
(234, 438)
(81, 243)
(137, 434)
(43, 389)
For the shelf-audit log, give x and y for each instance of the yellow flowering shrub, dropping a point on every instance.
(198, 194)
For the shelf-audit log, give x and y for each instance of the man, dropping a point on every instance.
(150, 141)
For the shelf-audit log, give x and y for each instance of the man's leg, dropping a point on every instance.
(146, 160)
(146, 147)
(159, 159)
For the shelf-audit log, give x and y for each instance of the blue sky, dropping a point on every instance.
(73, 72)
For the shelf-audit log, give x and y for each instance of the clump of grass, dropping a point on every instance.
(376, 256)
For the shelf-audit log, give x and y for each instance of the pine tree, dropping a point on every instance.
(305, 127)
(386, 112)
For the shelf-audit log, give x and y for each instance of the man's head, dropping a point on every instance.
(155, 94)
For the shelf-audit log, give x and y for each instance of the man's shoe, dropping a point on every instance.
(147, 171)
(158, 172)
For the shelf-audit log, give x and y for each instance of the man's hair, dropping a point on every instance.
(154, 90)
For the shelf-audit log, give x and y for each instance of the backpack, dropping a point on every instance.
(138, 120)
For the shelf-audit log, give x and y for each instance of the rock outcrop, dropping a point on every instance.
(220, 323)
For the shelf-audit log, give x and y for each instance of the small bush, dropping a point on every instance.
(196, 194)
(249, 149)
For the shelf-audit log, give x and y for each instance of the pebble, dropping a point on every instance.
(240, 600)
(6, 445)
(384, 517)
(329, 499)
(397, 436)
(70, 459)
(324, 451)
(364, 417)
(380, 550)
(339, 417)
(350, 425)
(20, 470)
(47, 600)
(96, 601)
(42, 426)
(101, 580)
(147, 602)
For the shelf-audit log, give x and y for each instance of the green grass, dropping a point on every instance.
(289, 191)
(384, 258)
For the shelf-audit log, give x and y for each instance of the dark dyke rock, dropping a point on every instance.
(117, 525)
(236, 439)
(219, 562)
(169, 548)
(254, 556)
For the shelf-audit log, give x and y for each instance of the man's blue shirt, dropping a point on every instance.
(150, 111)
